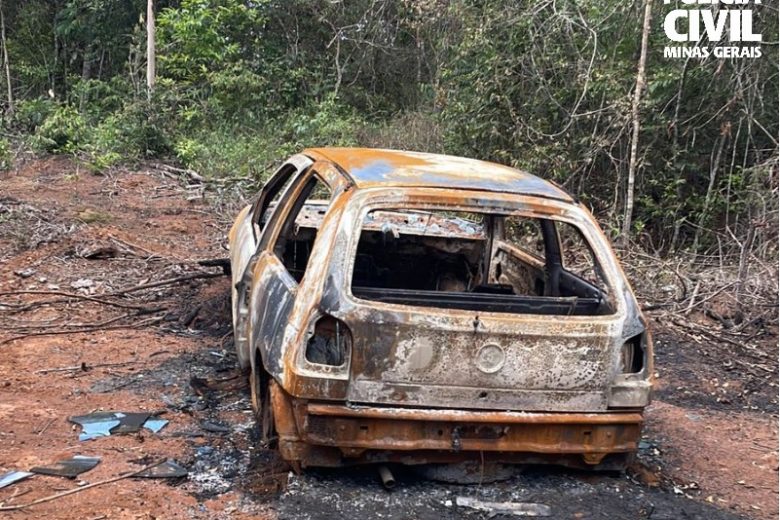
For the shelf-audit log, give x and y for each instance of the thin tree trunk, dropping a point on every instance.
(678, 219)
(5, 60)
(710, 186)
(150, 49)
(744, 257)
(640, 85)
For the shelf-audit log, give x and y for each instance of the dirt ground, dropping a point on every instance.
(710, 446)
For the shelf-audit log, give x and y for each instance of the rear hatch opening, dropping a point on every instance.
(478, 261)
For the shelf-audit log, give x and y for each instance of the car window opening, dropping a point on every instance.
(476, 261)
(296, 239)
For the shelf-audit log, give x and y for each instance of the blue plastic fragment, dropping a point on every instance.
(96, 425)
(13, 476)
(104, 424)
(155, 424)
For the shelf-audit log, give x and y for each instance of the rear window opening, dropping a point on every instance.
(478, 261)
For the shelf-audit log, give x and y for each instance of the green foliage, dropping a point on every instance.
(6, 157)
(226, 153)
(545, 87)
(324, 124)
(134, 132)
(202, 36)
(63, 130)
(231, 152)
(97, 98)
(29, 114)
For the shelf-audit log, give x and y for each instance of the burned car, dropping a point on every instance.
(417, 308)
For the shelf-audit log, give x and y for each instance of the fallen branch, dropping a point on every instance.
(45, 427)
(744, 347)
(98, 298)
(169, 281)
(70, 296)
(172, 169)
(76, 490)
(223, 263)
(95, 328)
(83, 367)
(130, 246)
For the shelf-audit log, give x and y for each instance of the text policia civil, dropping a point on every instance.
(719, 28)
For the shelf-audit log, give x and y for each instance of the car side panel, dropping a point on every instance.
(242, 247)
(272, 300)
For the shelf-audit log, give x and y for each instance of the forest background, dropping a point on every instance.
(564, 89)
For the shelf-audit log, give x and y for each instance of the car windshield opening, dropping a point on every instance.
(478, 261)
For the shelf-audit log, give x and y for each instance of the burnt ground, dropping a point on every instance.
(710, 447)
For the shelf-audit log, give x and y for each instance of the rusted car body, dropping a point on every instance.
(417, 308)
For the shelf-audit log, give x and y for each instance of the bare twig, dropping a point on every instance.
(161, 283)
(78, 489)
(95, 328)
(84, 367)
(189, 173)
(71, 296)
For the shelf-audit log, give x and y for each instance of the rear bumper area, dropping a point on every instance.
(320, 434)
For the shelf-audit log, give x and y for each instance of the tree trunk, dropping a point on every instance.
(640, 85)
(714, 162)
(150, 50)
(5, 60)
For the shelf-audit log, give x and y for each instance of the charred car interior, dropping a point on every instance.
(415, 308)
(480, 262)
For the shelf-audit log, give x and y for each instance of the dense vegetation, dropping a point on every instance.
(546, 86)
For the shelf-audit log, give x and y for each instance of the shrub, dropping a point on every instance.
(414, 131)
(6, 157)
(96, 98)
(29, 114)
(63, 130)
(226, 152)
(323, 124)
(133, 131)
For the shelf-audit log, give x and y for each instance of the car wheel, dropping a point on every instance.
(259, 383)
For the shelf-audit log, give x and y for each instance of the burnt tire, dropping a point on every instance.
(259, 387)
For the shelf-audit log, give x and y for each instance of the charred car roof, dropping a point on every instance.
(368, 168)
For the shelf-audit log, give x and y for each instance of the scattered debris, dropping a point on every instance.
(155, 424)
(505, 508)
(167, 469)
(98, 251)
(76, 490)
(25, 273)
(214, 427)
(70, 468)
(234, 382)
(95, 425)
(12, 477)
(130, 422)
(103, 424)
(82, 283)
